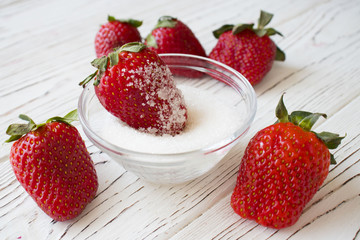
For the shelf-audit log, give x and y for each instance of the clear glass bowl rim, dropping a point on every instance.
(205, 150)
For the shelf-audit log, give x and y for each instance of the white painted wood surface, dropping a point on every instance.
(46, 48)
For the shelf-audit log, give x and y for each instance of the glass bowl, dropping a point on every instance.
(220, 87)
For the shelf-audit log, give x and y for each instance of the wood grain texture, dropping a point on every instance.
(46, 48)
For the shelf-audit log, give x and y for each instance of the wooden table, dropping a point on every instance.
(46, 48)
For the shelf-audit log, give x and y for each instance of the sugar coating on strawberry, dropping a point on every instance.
(283, 167)
(53, 165)
(136, 86)
(115, 33)
(247, 49)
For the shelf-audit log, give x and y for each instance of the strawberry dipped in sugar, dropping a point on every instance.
(135, 85)
(115, 33)
(248, 50)
(51, 162)
(283, 167)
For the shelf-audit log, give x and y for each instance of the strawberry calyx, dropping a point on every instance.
(260, 31)
(151, 41)
(17, 130)
(306, 121)
(133, 22)
(166, 21)
(110, 60)
(163, 22)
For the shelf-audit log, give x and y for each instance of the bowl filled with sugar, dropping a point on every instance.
(221, 105)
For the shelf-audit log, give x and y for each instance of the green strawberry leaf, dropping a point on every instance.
(332, 159)
(68, 118)
(151, 41)
(111, 18)
(272, 31)
(132, 22)
(166, 22)
(264, 19)
(222, 29)
(281, 111)
(132, 47)
(17, 130)
(13, 138)
(260, 32)
(297, 116)
(113, 58)
(241, 27)
(331, 140)
(280, 55)
(27, 118)
(303, 119)
(101, 65)
(308, 122)
(72, 116)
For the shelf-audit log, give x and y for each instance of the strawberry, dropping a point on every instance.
(249, 51)
(170, 35)
(116, 33)
(135, 85)
(283, 167)
(51, 162)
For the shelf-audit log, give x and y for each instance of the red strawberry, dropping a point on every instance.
(282, 168)
(170, 35)
(116, 33)
(53, 165)
(249, 51)
(135, 85)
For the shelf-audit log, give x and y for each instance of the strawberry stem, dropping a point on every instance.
(88, 79)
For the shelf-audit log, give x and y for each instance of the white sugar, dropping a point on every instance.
(156, 82)
(209, 121)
